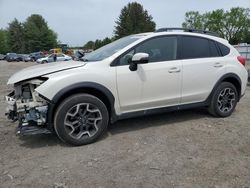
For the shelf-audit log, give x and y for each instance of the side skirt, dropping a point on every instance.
(160, 110)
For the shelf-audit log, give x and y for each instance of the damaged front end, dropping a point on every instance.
(26, 106)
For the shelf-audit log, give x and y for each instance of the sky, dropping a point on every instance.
(78, 21)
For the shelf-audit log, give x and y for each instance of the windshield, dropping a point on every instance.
(110, 49)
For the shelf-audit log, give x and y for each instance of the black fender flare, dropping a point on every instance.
(80, 85)
(226, 76)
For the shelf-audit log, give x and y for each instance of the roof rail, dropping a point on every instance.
(188, 30)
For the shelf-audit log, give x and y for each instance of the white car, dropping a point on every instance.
(51, 58)
(136, 75)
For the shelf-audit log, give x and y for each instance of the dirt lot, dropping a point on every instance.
(179, 149)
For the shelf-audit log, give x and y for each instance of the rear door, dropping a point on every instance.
(202, 68)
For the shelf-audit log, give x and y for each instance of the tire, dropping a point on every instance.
(81, 119)
(224, 100)
(44, 62)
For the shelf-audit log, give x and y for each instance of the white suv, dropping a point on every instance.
(137, 75)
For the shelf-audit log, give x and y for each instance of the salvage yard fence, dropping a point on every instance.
(244, 50)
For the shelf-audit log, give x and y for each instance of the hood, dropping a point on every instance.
(43, 69)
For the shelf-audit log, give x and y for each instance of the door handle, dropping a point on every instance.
(217, 65)
(174, 70)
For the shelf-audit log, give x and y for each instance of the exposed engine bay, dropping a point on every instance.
(26, 106)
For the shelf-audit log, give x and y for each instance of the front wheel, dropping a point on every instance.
(81, 119)
(224, 100)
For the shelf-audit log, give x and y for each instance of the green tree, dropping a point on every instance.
(4, 44)
(97, 44)
(133, 19)
(89, 45)
(246, 36)
(106, 41)
(38, 35)
(16, 40)
(234, 25)
(215, 21)
(194, 19)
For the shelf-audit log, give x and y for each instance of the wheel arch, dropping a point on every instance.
(231, 78)
(98, 90)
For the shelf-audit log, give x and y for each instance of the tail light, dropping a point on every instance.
(242, 60)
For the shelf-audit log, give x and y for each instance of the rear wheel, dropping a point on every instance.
(224, 100)
(81, 119)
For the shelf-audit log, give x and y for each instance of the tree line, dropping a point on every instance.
(233, 25)
(132, 19)
(30, 36)
(35, 35)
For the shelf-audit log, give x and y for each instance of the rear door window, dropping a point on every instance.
(195, 47)
(214, 51)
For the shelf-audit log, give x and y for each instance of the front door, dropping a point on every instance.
(155, 84)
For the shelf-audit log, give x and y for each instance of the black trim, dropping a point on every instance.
(161, 110)
(50, 118)
(84, 85)
(228, 75)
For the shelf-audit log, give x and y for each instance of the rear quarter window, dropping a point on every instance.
(223, 49)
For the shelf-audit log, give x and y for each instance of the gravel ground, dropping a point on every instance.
(179, 149)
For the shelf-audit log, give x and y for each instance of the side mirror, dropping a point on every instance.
(138, 58)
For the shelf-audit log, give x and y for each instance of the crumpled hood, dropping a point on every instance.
(43, 69)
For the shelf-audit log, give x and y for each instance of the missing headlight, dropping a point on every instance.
(26, 93)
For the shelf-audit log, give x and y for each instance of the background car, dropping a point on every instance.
(78, 55)
(12, 57)
(26, 58)
(50, 58)
(2, 57)
(20, 57)
(36, 55)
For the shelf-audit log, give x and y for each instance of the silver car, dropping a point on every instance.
(53, 58)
